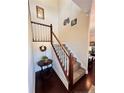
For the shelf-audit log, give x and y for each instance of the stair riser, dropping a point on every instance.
(76, 67)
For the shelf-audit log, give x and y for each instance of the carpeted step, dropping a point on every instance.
(69, 51)
(78, 74)
(76, 66)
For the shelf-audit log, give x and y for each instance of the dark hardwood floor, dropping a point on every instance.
(54, 84)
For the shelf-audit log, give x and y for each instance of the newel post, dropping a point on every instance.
(51, 31)
(71, 62)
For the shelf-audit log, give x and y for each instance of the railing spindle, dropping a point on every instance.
(41, 32)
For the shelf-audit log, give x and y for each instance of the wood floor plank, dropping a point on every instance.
(55, 85)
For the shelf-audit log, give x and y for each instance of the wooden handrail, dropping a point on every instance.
(71, 63)
(40, 24)
(60, 44)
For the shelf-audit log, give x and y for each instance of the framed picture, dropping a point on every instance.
(92, 43)
(40, 12)
(66, 21)
(74, 22)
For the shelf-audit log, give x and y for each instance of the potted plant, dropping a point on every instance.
(45, 59)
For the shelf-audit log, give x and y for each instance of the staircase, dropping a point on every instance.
(71, 68)
(77, 69)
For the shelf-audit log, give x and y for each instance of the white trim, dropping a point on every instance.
(34, 83)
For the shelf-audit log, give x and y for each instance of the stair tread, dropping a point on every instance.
(76, 66)
(78, 74)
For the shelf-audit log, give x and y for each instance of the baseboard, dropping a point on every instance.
(34, 83)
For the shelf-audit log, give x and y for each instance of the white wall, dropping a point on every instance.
(37, 54)
(50, 11)
(31, 74)
(76, 37)
(51, 17)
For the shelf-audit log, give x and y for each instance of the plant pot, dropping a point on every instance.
(46, 60)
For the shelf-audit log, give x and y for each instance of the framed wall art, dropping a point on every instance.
(92, 43)
(66, 21)
(74, 22)
(40, 12)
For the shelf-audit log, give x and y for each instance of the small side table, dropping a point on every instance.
(45, 72)
(42, 63)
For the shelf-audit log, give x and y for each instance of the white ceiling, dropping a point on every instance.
(85, 5)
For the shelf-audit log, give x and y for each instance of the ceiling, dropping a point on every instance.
(85, 5)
